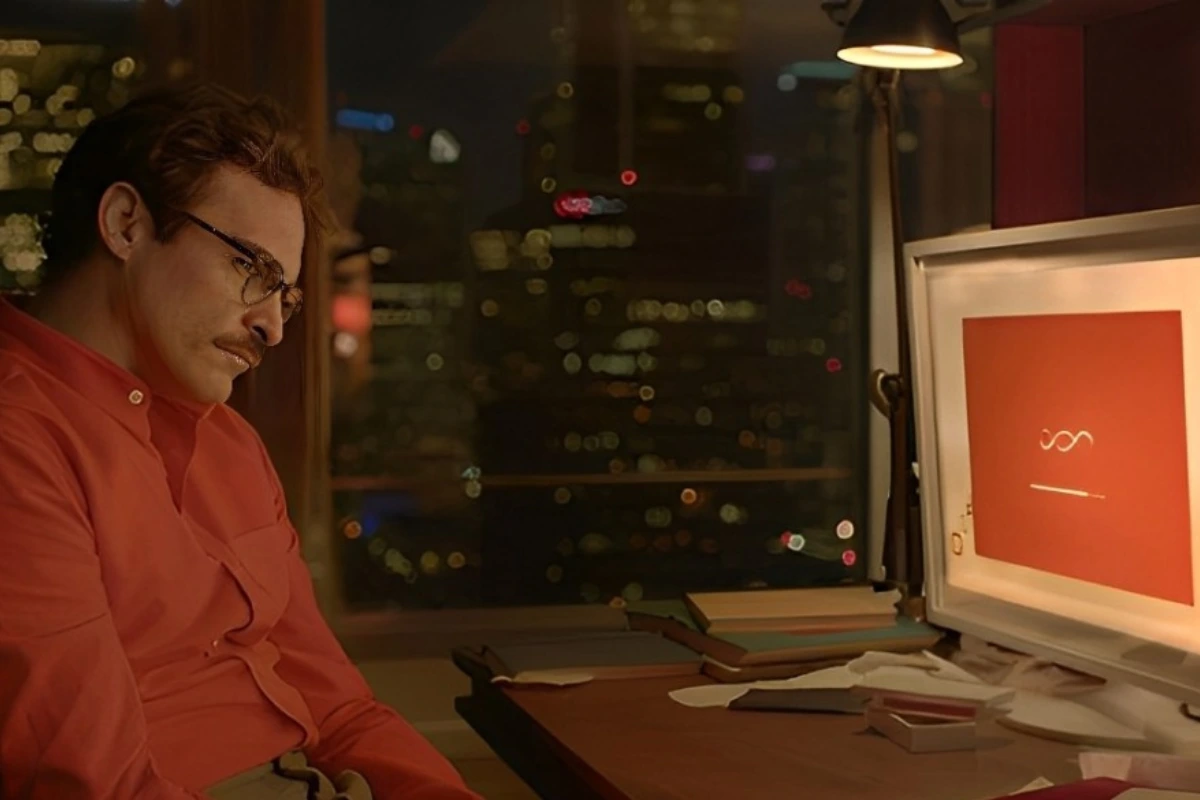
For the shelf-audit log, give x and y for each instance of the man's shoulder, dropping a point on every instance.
(12, 366)
(22, 390)
(30, 421)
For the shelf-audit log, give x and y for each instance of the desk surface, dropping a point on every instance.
(627, 740)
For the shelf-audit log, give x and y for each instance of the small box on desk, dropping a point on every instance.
(919, 734)
(923, 715)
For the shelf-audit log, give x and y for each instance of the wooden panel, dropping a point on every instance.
(1039, 125)
(1143, 76)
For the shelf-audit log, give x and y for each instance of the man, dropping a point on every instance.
(159, 639)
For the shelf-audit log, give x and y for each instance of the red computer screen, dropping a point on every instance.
(1078, 446)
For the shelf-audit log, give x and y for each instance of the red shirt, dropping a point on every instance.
(158, 629)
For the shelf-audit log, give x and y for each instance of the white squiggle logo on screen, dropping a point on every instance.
(1063, 441)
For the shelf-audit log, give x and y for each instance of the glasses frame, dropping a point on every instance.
(271, 270)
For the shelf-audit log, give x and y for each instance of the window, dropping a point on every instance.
(600, 313)
(56, 76)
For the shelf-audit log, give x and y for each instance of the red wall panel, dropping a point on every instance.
(1039, 163)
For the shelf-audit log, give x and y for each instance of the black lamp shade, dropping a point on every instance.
(901, 34)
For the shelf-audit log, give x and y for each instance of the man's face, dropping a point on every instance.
(194, 332)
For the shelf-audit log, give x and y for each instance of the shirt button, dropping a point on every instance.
(136, 397)
(216, 643)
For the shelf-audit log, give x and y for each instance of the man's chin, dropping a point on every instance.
(218, 394)
(215, 389)
(195, 382)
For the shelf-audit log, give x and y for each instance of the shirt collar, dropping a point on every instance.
(114, 389)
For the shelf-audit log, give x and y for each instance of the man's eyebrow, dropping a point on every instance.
(258, 250)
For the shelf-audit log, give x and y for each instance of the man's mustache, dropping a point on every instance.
(248, 348)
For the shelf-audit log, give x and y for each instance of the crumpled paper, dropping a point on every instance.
(844, 677)
(722, 694)
(1154, 770)
(1002, 667)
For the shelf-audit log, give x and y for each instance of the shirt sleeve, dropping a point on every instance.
(71, 720)
(356, 732)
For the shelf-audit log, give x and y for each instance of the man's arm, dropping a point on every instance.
(71, 721)
(356, 731)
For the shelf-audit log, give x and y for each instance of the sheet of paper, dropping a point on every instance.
(889, 668)
(873, 660)
(1067, 721)
(1177, 773)
(1035, 785)
(949, 670)
(1156, 717)
(920, 682)
(545, 678)
(722, 694)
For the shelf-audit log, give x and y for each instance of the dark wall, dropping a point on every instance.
(1097, 116)
(1142, 100)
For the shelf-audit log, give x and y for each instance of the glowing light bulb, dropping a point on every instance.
(903, 50)
(900, 56)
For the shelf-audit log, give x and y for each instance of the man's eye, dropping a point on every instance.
(255, 269)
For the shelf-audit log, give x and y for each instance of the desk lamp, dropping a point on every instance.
(888, 37)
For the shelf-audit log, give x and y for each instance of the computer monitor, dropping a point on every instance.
(1057, 399)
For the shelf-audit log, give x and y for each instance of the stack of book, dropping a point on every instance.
(570, 659)
(780, 633)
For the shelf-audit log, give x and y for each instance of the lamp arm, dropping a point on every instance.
(892, 392)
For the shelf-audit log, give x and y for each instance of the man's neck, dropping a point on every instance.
(82, 306)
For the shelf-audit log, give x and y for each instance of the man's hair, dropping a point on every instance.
(167, 144)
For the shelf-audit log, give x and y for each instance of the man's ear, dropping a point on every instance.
(123, 220)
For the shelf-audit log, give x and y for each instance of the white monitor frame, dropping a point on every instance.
(1097, 242)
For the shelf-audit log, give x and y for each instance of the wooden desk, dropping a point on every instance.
(626, 740)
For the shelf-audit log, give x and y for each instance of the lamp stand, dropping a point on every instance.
(903, 549)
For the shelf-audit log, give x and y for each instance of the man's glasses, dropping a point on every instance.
(264, 275)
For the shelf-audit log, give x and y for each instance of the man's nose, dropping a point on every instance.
(265, 321)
